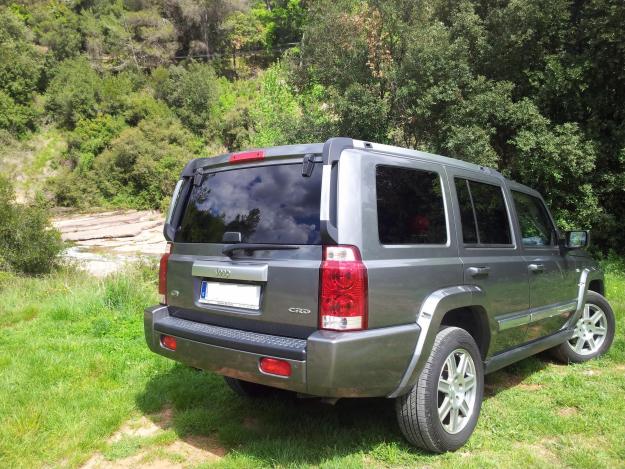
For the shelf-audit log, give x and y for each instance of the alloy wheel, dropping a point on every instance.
(456, 391)
(590, 331)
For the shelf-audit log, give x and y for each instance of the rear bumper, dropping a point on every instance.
(328, 364)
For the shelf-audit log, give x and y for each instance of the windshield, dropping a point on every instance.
(266, 204)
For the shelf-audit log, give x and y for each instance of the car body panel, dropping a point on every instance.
(410, 287)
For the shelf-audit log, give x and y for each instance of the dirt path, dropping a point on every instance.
(104, 242)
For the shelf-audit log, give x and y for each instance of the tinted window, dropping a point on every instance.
(536, 227)
(483, 213)
(266, 204)
(467, 216)
(410, 206)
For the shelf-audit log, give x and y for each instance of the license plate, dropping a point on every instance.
(230, 294)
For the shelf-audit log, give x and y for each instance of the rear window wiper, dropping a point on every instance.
(250, 247)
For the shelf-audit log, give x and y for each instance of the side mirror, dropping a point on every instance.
(576, 239)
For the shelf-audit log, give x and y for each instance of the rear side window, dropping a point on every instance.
(535, 224)
(410, 206)
(266, 204)
(482, 213)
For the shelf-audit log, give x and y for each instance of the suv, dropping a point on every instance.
(355, 269)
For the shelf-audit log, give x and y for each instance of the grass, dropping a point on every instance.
(74, 369)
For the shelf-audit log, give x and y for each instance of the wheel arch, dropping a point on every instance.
(459, 301)
(597, 285)
(474, 320)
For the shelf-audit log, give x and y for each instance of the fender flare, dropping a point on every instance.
(587, 275)
(431, 313)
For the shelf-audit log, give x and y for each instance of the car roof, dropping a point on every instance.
(363, 146)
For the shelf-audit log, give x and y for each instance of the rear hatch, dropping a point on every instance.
(247, 249)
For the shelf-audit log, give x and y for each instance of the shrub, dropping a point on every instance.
(73, 93)
(28, 244)
(141, 166)
(192, 92)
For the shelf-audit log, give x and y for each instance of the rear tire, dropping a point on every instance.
(594, 332)
(451, 385)
(247, 389)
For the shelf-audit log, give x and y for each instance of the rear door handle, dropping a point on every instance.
(536, 267)
(478, 271)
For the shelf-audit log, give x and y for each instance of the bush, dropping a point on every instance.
(191, 92)
(74, 92)
(142, 165)
(28, 244)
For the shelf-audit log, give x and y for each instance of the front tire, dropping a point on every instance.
(594, 332)
(440, 412)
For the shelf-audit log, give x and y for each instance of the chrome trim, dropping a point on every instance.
(514, 320)
(551, 311)
(324, 210)
(532, 315)
(222, 270)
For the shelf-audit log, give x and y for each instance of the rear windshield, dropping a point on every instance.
(266, 204)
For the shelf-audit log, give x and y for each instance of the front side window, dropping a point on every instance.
(410, 206)
(535, 224)
(483, 213)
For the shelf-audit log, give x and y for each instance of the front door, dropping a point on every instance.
(551, 273)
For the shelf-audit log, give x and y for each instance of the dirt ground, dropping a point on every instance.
(148, 452)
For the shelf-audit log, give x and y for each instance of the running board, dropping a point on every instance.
(519, 353)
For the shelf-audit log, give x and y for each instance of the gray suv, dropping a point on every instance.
(355, 269)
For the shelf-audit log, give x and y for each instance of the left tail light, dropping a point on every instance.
(343, 290)
(162, 277)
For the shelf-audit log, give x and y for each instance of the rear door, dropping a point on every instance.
(491, 258)
(272, 287)
(551, 273)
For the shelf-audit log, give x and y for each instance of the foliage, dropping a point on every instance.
(142, 164)
(532, 89)
(90, 138)
(28, 244)
(191, 91)
(20, 68)
(73, 93)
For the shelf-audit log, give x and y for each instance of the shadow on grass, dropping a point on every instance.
(281, 429)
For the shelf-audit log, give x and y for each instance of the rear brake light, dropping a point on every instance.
(343, 290)
(275, 366)
(162, 277)
(246, 156)
(168, 342)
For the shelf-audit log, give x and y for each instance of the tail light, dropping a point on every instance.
(169, 342)
(162, 277)
(275, 366)
(343, 290)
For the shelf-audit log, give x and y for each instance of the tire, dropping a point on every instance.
(247, 389)
(418, 410)
(586, 327)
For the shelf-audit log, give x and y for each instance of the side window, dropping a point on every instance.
(482, 213)
(536, 226)
(410, 206)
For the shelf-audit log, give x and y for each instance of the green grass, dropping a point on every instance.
(74, 368)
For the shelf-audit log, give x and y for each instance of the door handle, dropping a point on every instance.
(536, 267)
(478, 271)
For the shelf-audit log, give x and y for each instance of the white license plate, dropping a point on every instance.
(230, 294)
